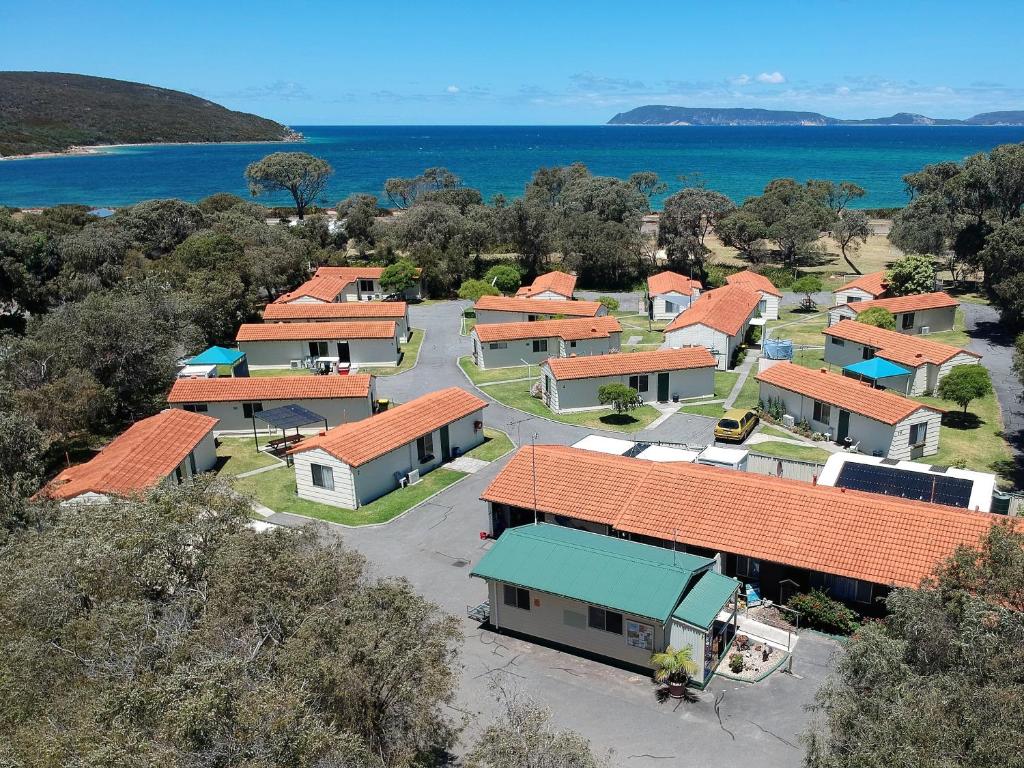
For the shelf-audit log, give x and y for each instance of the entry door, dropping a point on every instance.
(446, 448)
(844, 426)
(662, 387)
(343, 353)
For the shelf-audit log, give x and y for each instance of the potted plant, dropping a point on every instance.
(674, 668)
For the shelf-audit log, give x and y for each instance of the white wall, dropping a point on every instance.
(337, 410)
(546, 620)
(717, 343)
(353, 293)
(514, 352)
(850, 295)
(356, 486)
(891, 441)
(500, 316)
(935, 320)
(277, 354)
(840, 313)
(205, 453)
(771, 306)
(678, 301)
(582, 394)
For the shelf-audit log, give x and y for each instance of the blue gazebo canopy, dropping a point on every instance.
(876, 368)
(217, 356)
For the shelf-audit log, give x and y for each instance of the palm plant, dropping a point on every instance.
(674, 667)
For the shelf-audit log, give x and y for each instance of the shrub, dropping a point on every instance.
(965, 383)
(736, 662)
(504, 277)
(819, 611)
(474, 289)
(398, 277)
(610, 302)
(621, 397)
(773, 408)
(880, 317)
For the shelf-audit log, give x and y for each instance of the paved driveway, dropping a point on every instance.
(436, 544)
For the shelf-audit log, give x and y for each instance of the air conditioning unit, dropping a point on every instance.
(788, 421)
(413, 477)
(925, 330)
(295, 364)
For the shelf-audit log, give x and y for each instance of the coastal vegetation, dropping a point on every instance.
(53, 111)
(661, 114)
(299, 174)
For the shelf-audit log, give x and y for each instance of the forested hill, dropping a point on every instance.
(51, 111)
(662, 114)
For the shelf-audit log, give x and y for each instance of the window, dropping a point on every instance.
(540, 345)
(639, 383)
(837, 341)
(608, 621)
(366, 286)
(908, 320)
(192, 463)
(842, 588)
(868, 353)
(517, 597)
(250, 409)
(425, 447)
(762, 307)
(748, 567)
(918, 433)
(318, 349)
(498, 345)
(822, 412)
(851, 299)
(323, 477)
(572, 344)
(196, 407)
(670, 308)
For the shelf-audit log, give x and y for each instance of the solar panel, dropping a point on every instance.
(288, 416)
(890, 481)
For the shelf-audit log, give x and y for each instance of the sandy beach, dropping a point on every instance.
(99, 149)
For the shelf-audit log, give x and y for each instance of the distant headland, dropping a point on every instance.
(53, 112)
(661, 114)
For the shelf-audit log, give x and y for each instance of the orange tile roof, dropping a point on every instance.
(843, 392)
(624, 363)
(538, 306)
(320, 288)
(917, 302)
(137, 459)
(335, 311)
(725, 309)
(671, 282)
(873, 283)
(362, 441)
(901, 348)
(573, 329)
(753, 281)
(315, 331)
(269, 388)
(883, 540)
(557, 282)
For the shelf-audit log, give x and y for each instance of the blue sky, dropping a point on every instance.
(305, 62)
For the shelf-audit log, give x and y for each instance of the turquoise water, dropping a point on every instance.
(734, 160)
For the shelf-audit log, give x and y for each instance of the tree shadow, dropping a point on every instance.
(961, 420)
(618, 419)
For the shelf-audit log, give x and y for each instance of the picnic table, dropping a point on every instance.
(283, 442)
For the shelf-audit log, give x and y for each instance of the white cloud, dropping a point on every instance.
(773, 78)
(453, 89)
(740, 79)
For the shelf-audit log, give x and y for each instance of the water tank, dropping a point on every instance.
(778, 349)
(1000, 502)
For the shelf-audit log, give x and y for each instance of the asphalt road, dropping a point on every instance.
(434, 546)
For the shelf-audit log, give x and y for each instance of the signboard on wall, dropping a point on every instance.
(640, 635)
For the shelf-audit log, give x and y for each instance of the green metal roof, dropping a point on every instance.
(591, 567)
(708, 596)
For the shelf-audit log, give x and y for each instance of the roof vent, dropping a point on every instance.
(823, 370)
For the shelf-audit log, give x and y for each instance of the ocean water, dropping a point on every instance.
(737, 161)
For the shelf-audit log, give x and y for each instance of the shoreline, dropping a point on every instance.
(77, 150)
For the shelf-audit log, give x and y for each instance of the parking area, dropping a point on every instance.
(436, 544)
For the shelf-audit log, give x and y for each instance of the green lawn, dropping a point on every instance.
(410, 354)
(242, 456)
(714, 410)
(282, 372)
(767, 429)
(724, 382)
(957, 337)
(789, 451)
(811, 358)
(468, 322)
(489, 375)
(517, 395)
(496, 444)
(800, 327)
(976, 437)
(276, 490)
(750, 393)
